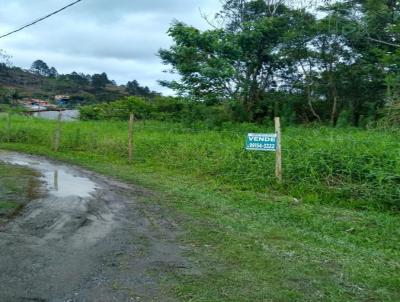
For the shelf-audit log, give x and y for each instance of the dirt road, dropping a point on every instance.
(88, 239)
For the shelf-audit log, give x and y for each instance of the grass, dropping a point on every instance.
(348, 167)
(18, 186)
(249, 238)
(7, 205)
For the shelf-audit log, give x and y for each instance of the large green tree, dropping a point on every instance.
(240, 61)
(336, 63)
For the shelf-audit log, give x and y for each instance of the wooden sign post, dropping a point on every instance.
(130, 139)
(57, 134)
(8, 126)
(278, 159)
(268, 142)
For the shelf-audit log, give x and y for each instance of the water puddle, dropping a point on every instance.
(60, 180)
(75, 210)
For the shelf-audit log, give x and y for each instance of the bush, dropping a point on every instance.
(118, 110)
(168, 109)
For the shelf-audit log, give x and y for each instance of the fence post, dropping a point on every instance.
(278, 159)
(130, 139)
(57, 135)
(8, 127)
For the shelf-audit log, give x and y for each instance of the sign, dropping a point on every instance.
(261, 142)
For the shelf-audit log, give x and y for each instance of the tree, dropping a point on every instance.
(303, 59)
(340, 64)
(79, 80)
(368, 27)
(204, 62)
(53, 73)
(100, 81)
(5, 62)
(240, 61)
(40, 68)
(135, 89)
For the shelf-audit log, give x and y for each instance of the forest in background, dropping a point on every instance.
(44, 82)
(333, 62)
(326, 62)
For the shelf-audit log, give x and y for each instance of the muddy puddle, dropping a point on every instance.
(61, 203)
(59, 199)
(58, 180)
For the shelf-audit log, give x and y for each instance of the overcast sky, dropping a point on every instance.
(119, 37)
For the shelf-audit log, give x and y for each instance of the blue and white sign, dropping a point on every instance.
(261, 142)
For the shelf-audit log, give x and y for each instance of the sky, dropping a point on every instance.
(119, 37)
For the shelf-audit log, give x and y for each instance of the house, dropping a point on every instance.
(35, 104)
(62, 100)
(39, 102)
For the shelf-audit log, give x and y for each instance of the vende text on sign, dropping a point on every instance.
(261, 142)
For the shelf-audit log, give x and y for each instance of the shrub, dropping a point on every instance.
(118, 110)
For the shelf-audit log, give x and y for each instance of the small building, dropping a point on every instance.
(62, 100)
(39, 102)
(35, 104)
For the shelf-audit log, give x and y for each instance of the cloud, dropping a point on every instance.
(119, 37)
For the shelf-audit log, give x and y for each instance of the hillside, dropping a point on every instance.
(39, 83)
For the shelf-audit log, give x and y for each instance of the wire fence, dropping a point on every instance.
(317, 162)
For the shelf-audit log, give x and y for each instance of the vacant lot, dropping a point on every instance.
(330, 232)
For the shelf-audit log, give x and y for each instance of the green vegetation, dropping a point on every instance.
(336, 63)
(349, 167)
(330, 231)
(159, 108)
(8, 205)
(250, 239)
(18, 185)
(392, 118)
(44, 82)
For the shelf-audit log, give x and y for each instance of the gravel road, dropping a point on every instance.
(89, 239)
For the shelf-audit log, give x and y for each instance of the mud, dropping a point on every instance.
(88, 239)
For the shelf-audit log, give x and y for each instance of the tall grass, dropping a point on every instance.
(349, 167)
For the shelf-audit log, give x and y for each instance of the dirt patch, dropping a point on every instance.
(88, 239)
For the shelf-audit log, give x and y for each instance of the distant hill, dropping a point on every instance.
(42, 82)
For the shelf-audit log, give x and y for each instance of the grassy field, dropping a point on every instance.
(330, 232)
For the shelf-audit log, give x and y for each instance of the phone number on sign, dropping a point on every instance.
(262, 146)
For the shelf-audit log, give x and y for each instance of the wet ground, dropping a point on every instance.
(86, 238)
